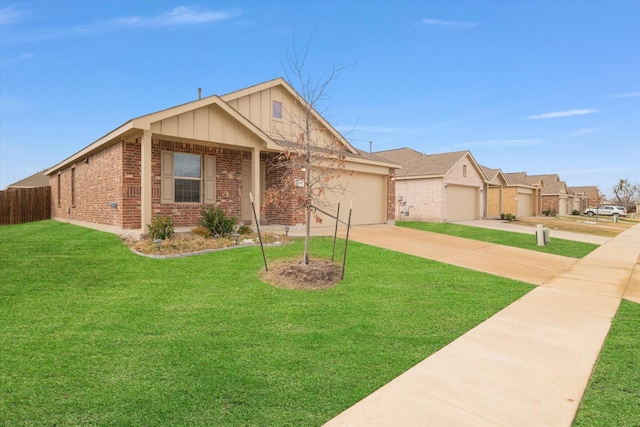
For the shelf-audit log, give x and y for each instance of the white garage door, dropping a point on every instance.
(524, 205)
(462, 203)
(366, 193)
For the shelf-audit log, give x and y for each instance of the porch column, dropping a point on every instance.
(255, 180)
(145, 179)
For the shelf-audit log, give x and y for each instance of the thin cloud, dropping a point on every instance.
(625, 95)
(182, 15)
(9, 15)
(556, 114)
(447, 25)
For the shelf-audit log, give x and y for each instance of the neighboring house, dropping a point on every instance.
(555, 195)
(215, 151)
(586, 197)
(495, 193)
(522, 195)
(38, 179)
(437, 187)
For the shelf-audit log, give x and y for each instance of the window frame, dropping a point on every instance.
(73, 187)
(206, 180)
(276, 113)
(186, 177)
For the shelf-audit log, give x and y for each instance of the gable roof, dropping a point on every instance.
(38, 179)
(139, 124)
(289, 88)
(522, 179)
(134, 127)
(494, 176)
(547, 178)
(555, 187)
(590, 191)
(415, 164)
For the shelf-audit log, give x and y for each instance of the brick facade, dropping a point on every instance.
(98, 183)
(423, 199)
(551, 203)
(279, 173)
(107, 187)
(108, 190)
(228, 182)
(391, 196)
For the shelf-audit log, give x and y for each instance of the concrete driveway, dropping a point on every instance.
(529, 364)
(514, 263)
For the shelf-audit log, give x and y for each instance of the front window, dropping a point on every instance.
(188, 175)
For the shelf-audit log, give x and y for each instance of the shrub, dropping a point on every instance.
(575, 212)
(245, 229)
(217, 222)
(161, 228)
(509, 217)
(201, 231)
(502, 216)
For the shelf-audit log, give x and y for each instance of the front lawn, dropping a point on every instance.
(612, 397)
(92, 334)
(508, 238)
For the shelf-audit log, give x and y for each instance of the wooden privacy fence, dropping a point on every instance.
(18, 205)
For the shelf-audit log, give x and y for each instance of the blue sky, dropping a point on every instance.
(535, 86)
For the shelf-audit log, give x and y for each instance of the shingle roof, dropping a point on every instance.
(415, 163)
(38, 179)
(590, 191)
(517, 178)
(547, 179)
(555, 187)
(490, 173)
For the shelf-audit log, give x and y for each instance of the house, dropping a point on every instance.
(495, 193)
(38, 179)
(554, 196)
(522, 196)
(215, 151)
(437, 187)
(587, 197)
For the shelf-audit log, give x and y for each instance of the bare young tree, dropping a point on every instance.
(626, 194)
(312, 160)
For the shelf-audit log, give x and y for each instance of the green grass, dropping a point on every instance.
(518, 240)
(92, 334)
(612, 397)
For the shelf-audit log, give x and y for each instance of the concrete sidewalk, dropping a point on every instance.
(529, 364)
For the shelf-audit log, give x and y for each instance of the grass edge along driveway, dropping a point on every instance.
(562, 247)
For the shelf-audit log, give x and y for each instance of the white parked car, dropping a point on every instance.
(606, 210)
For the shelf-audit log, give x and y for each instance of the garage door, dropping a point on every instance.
(367, 194)
(564, 209)
(462, 203)
(524, 205)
